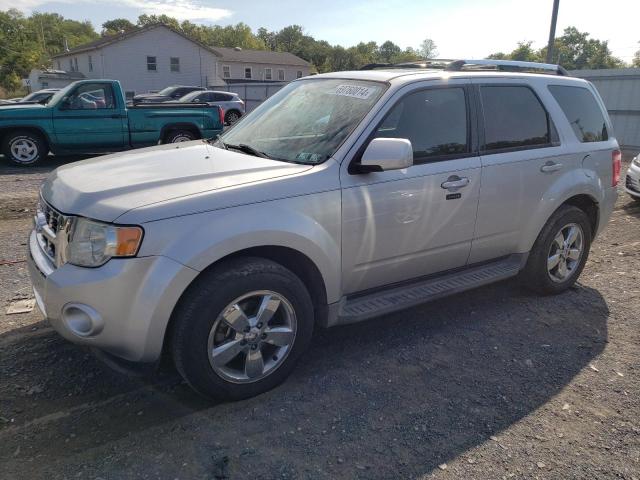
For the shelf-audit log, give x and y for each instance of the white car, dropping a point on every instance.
(632, 183)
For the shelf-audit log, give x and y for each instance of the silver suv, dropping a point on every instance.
(343, 197)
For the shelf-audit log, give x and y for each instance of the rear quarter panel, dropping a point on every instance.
(147, 124)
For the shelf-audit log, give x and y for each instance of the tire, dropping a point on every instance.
(24, 148)
(231, 117)
(177, 136)
(198, 328)
(541, 273)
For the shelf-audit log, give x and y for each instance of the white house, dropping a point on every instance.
(153, 57)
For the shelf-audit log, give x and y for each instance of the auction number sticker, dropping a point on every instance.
(354, 91)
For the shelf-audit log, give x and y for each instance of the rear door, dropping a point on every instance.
(521, 159)
(403, 224)
(91, 118)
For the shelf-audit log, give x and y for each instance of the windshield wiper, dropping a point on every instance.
(244, 148)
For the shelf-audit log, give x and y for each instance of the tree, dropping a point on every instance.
(387, 51)
(428, 49)
(574, 50)
(115, 26)
(636, 59)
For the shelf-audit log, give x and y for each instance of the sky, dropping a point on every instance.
(460, 28)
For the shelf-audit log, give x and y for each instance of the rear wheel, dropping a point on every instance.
(560, 252)
(177, 136)
(241, 328)
(231, 117)
(24, 148)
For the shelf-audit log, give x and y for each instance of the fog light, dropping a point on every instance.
(82, 320)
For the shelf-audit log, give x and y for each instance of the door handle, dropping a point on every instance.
(550, 167)
(455, 182)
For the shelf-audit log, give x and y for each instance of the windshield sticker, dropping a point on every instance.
(354, 91)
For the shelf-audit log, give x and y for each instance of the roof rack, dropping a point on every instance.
(475, 65)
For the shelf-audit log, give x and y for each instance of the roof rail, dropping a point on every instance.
(474, 65)
(507, 65)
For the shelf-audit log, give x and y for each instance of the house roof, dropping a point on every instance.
(259, 56)
(60, 74)
(228, 54)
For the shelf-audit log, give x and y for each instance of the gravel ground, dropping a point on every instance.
(494, 383)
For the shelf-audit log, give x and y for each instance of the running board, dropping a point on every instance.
(370, 305)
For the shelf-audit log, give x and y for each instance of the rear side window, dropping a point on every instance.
(434, 120)
(513, 118)
(582, 112)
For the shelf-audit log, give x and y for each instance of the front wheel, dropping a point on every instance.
(560, 252)
(24, 148)
(240, 329)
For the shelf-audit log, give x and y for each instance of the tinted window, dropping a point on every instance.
(435, 121)
(582, 112)
(513, 117)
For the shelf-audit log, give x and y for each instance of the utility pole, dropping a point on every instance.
(552, 30)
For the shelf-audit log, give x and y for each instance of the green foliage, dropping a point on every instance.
(636, 59)
(29, 42)
(574, 50)
(116, 26)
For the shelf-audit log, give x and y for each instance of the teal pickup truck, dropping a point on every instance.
(91, 116)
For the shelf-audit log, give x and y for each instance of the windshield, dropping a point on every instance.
(307, 120)
(167, 91)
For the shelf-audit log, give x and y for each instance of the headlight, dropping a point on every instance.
(636, 160)
(93, 243)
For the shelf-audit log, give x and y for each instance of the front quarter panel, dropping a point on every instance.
(309, 224)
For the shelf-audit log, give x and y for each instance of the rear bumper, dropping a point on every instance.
(632, 181)
(127, 302)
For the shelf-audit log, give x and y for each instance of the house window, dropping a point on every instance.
(75, 64)
(299, 74)
(226, 71)
(90, 64)
(268, 74)
(247, 72)
(151, 64)
(281, 75)
(45, 84)
(175, 64)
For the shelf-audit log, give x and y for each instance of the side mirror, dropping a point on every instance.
(386, 154)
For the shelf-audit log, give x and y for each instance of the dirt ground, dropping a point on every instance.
(490, 384)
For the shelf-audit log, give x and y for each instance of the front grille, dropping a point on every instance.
(632, 184)
(51, 232)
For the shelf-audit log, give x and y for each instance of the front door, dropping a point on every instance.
(404, 224)
(90, 119)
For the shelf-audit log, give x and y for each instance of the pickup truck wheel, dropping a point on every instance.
(231, 117)
(177, 136)
(24, 148)
(559, 253)
(240, 329)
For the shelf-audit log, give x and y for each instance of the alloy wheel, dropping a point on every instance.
(565, 252)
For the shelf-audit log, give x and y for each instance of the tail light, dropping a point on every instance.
(221, 112)
(616, 163)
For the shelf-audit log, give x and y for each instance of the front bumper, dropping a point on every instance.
(632, 181)
(130, 300)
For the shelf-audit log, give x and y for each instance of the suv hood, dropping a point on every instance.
(104, 188)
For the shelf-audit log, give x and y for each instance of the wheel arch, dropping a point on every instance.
(299, 263)
(167, 129)
(6, 131)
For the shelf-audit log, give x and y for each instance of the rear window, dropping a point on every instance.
(513, 118)
(582, 112)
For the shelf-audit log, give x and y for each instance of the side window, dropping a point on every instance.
(513, 118)
(582, 112)
(91, 97)
(434, 120)
(152, 66)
